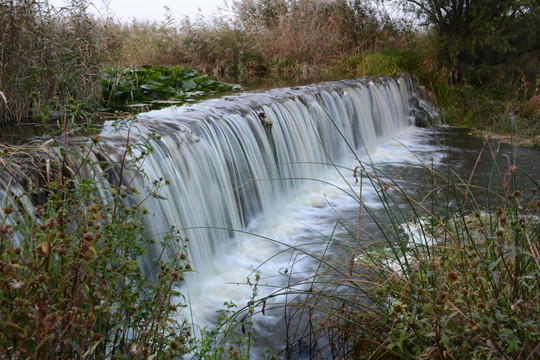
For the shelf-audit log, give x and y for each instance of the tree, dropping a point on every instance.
(475, 31)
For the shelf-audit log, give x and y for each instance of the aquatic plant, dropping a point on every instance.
(123, 86)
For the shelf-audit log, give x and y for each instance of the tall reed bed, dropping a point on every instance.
(47, 56)
(282, 38)
(450, 271)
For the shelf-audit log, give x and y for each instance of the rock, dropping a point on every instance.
(265, 120)
(421, 110)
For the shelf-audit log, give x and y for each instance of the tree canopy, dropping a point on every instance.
(472, 31)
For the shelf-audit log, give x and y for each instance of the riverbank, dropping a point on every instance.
(527, 141)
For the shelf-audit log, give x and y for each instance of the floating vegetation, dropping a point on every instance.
(151, 83)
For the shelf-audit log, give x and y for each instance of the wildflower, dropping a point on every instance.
(15, 284)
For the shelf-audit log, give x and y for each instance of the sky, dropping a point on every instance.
(126, 10)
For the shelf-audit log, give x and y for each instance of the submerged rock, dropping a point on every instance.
(422, 111)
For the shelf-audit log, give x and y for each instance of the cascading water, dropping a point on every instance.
(235, 164)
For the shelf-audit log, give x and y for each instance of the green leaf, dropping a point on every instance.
(402, 335)
(148, 87)
(189, 84)
(385, 317)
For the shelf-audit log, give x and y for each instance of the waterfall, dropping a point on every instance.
(235, 162)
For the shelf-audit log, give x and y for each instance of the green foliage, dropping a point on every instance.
(477, 297)
(72, 285)
(123, 86)
(388, 62)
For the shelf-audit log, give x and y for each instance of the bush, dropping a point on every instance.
(72, 285)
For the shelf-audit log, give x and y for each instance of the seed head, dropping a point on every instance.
(452, 276)
(16, 284)
(6, 231)
(135, 349)
(53, 321)
(443, 296)
(434, 264)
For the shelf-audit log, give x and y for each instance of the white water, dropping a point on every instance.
(231, 177)
(245, 194)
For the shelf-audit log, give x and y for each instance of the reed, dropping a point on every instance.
(47, 57)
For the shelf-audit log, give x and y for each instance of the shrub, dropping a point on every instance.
(72, 284)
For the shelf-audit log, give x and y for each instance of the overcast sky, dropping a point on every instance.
(153, 9)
